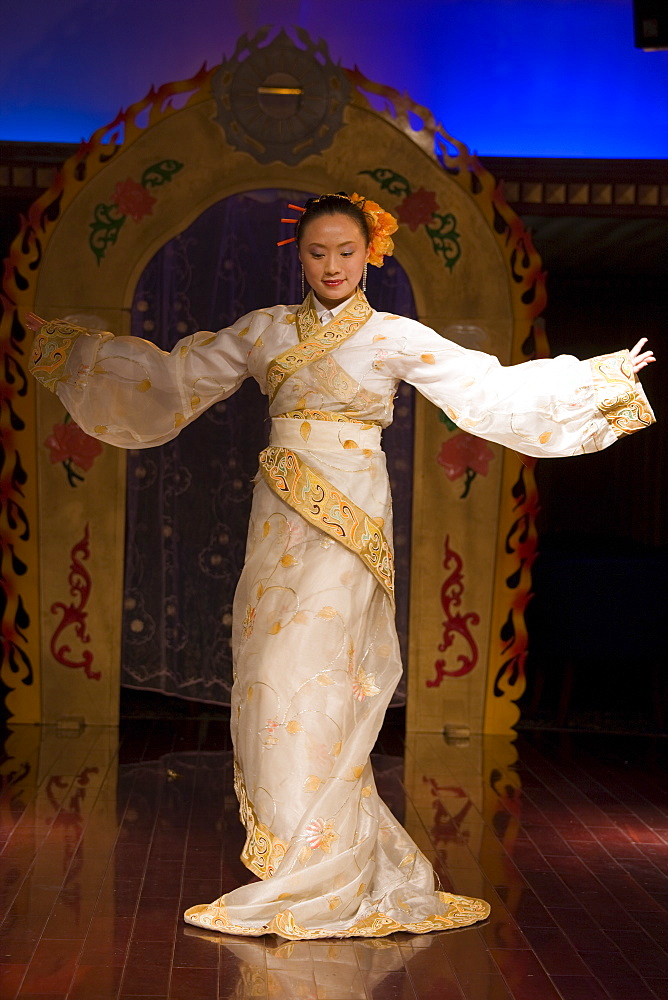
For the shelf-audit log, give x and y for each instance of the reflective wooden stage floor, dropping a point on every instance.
(105, 840)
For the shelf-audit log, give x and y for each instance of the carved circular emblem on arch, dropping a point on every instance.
(280, 102)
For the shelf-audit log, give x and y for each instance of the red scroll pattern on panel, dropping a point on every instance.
(73, 614)
(455, 624)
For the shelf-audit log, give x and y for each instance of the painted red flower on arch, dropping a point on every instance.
(465, 455)
(68, 444)
(132, 199)
(417, 208)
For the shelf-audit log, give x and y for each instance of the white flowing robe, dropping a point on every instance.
(316, 656)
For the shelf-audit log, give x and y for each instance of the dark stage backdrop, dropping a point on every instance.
(188, 501)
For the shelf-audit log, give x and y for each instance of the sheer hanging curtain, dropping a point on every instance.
(188, 501)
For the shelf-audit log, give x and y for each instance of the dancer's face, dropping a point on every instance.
(333, 252)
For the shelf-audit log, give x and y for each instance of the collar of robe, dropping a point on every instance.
(357, 312)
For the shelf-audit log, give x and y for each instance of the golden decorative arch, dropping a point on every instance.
(475, 275)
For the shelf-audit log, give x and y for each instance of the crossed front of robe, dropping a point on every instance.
(317, 661)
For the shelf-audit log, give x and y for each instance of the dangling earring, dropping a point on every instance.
(364, 278)
(303, 293)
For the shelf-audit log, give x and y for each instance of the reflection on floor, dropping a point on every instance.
(105, 839)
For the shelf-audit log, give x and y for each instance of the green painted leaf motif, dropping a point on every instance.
(445, 238)
(105, 228)
(390, 180)
(160, 173)
(71, 474)
(445, 419)
(470, 476)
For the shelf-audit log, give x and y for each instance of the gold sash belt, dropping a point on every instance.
(327, 508)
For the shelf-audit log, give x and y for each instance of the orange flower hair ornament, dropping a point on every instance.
(380, 225)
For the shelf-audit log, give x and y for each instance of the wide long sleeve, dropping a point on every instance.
(550, 407)
(128, 392)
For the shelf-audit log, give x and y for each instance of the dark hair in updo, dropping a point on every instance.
(333, 204)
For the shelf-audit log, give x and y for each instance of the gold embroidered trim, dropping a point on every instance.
(461, 911)
(316, 340)
(263, 851)
(326, 370)
(616, 396)
(330, 510)
(339, 418)
(50, 351)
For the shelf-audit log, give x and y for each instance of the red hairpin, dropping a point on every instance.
(292, 239)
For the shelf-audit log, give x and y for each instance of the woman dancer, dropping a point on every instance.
(316, 652)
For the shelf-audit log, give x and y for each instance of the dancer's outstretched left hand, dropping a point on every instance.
(639, 360)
